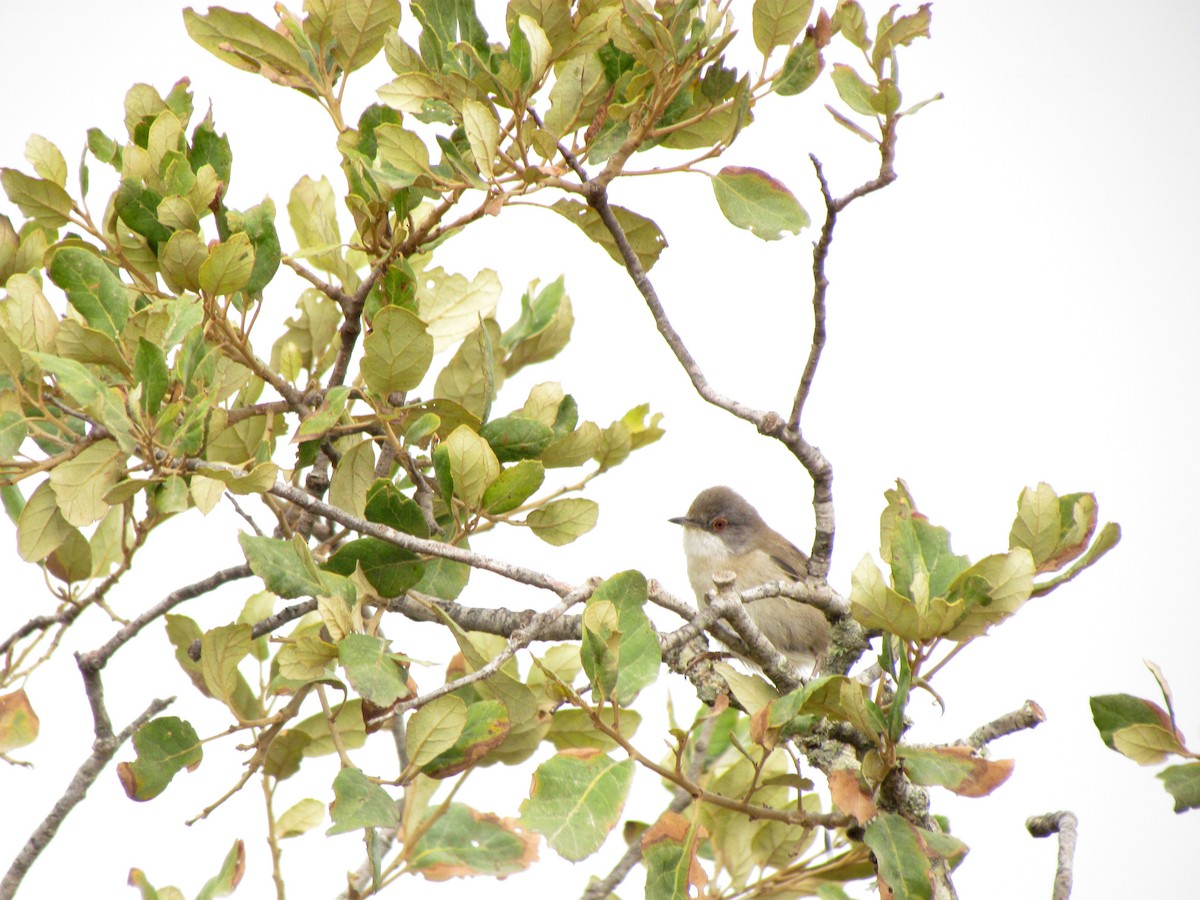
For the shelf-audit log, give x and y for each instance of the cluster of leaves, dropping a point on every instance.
(1146, 733)
(931, 597)
(145, 397)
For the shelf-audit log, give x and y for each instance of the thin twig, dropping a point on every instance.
(1065, 825)
(420, 545)
(103, 750)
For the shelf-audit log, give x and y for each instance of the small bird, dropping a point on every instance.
(723, 532)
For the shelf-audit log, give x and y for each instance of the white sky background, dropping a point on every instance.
(1022, 305)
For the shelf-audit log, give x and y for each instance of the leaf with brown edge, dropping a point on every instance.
(848, 795)
(461, 842)
(1113, 713)
(669, 851)
(164, 746)
(955, 768)
(576, 800)
(487, 725)
(226, 881)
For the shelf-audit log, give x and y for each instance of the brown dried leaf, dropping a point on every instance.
(849, 797)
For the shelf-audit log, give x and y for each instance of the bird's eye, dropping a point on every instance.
(719, 524)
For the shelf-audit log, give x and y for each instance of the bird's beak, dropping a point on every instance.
(684, 521)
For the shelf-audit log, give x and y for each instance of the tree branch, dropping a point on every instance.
(96, 659)
(518, 640)
(1065, 825)
(420, 545)
(1028, 716)
(103, 750)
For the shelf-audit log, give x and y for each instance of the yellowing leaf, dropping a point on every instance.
(80, 483)
(358, 28)
(562, 521)
(452, 307)
(473, 465)
(18, 721)
(228, 266)
(397, 352)
(483, 133)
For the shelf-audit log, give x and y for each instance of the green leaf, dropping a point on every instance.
(258, 224)
(180, 259)
(800, 68)
(372, 670)
(470, 378)
(513, 486)
(397, 352)
(903, 865)
(138, 208)
(620, 650)
(955, 768)
(226, 881)
(150, 372)
(229, 266)
(669, 850)
(462, 842)
(922, 563)
(38, 199)
(900, 33)
(81, 482)
(453, 307)
(300, 818)
(572, 729)
(1183, 783)
(387, 506)
(575, 448)
(777, 22)
(46, 159)
(1040, 525)
(306, 658)
(317, 424)
(313, 216)
(576, 799)
(473, 465)
(13, 432)
(221, 649)
(515, 437)
(245, 43)
(286, 567)
(402, 149)
(347, 719)
(483, 133)
(543, 329)
(352, 477)
(91, 288)
(409, 91)
(41, 528)
(484, 728)
(990, 591)
(837, 697)
(562, 521)
(18, 721)
(164, 746)
(359, 27)
(643, 236)
(855, 92)
(1113, 712)
(1147, 744)
(358, 803)
(434, 729)
(753, 200)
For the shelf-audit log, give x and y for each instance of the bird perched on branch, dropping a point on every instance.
(723, 532)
